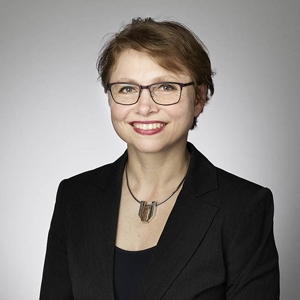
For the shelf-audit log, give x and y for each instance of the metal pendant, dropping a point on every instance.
(147, 211)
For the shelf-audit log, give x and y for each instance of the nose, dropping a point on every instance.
(146, 105)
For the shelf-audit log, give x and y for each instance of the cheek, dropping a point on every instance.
(114, 116)
(115, 111)
(183, 116)
(118, 114)
(116, 121)
(190, 105)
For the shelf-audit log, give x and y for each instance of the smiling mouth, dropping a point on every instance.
(148, 126)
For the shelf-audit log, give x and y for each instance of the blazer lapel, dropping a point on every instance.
(101, 228)
(185, 228)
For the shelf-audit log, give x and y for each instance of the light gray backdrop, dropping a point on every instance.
(54, 118)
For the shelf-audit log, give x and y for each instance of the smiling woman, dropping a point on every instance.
(128, 120)
(161, 222)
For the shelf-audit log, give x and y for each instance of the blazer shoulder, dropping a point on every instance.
(100, 176)
(203, 176)
(229, 180)
(238, 192)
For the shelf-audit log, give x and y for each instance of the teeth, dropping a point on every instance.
(148, 126)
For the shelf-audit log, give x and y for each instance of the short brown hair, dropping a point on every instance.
(171, 44)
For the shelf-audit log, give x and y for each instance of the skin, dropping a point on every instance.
(157, 155)
(137, 67)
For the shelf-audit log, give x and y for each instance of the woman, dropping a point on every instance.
(161, 222)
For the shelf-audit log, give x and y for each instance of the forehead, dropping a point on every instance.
(140, 66)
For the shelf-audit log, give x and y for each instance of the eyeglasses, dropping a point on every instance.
(162, 93)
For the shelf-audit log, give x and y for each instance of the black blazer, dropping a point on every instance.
(218, 242)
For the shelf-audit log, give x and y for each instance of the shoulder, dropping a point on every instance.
(96, 179)
(228, 189)
(232, 183)
(100, 175)
(237, 195)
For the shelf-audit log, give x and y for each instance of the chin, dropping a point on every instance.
(156, 146)
(146, 147)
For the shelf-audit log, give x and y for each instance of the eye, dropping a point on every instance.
(127, 89)
(166, 87)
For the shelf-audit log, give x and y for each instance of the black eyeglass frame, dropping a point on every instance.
(142, 87)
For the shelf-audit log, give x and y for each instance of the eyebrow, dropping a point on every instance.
(166, 78)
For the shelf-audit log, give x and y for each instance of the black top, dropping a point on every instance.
(129, 269)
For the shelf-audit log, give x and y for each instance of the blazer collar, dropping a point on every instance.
(200, 170)
(201, 176)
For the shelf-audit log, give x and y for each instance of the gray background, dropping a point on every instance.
(54, 117)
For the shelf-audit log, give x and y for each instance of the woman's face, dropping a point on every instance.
(146, 126)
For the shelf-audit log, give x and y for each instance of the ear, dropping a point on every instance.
(200, 99)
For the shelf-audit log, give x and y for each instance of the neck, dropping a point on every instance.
(157, 170)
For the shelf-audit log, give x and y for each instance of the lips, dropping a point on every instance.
(148, 127)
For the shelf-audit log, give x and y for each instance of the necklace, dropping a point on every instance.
(147, 211)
